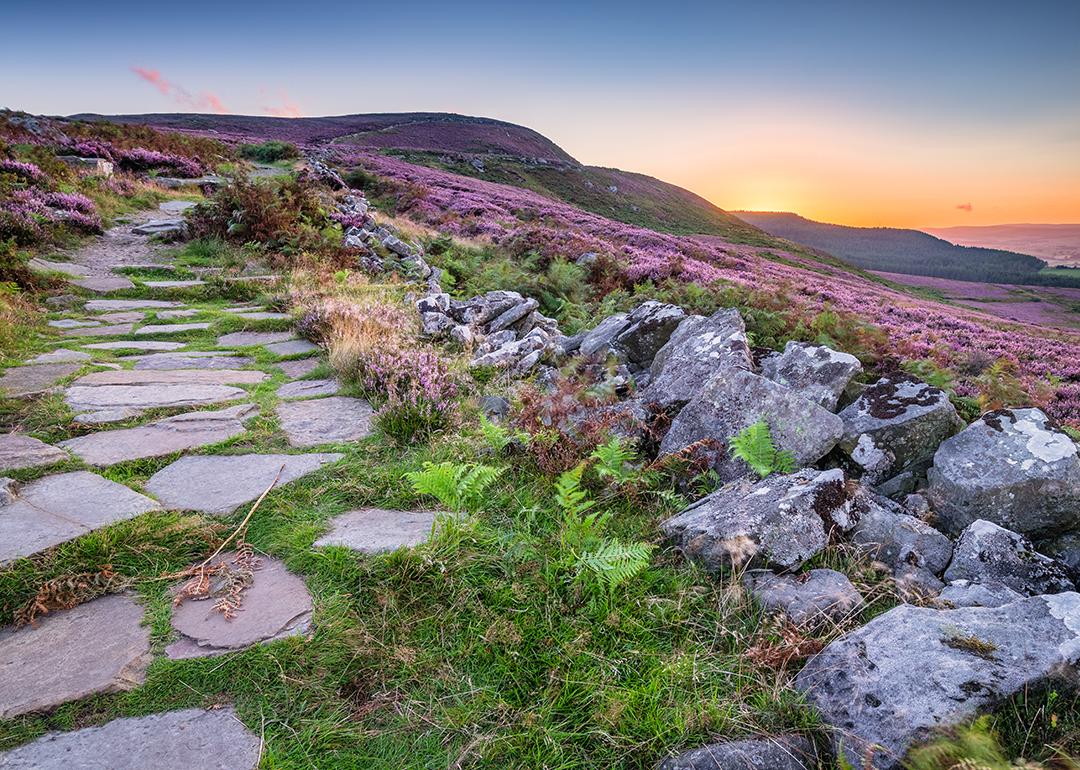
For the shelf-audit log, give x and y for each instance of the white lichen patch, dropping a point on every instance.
(1046, 445)
(1066, 608)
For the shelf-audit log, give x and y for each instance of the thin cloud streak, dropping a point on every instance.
(204, 101)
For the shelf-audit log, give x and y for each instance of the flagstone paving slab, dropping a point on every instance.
(375, 530)
(299, 367)
(104, 283)
(275, 605)
(61, 507)
(325, 420)
(114, 330)
(308, 388)
(173, 376)
(243, 339)
(67, 268)
(191, 360)
(96, 647)
(136, 345)
(20, 381)
(123, 317)
(99, 305)
(262, 315)
(21, 451)
(60, 355)
(96, 398)
(71, 323)
(186, 313)
(163, 437)
(291, 348)
(173, 284)
(242, 309)
(191, 739)
(105, 416)
(220, 483)
(171, 328)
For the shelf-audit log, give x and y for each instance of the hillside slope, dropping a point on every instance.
(905, 251)
(1054, 243)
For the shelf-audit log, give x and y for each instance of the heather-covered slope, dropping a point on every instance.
(905, 251)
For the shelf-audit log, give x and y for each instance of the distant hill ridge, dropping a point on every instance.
(913, 252)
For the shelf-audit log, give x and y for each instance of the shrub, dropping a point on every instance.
(419, 393)
(269, 152)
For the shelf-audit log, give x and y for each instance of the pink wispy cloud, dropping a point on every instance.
(965, 207)
(287, 108)
(204, 101)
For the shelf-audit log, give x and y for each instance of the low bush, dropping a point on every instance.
(269, 152)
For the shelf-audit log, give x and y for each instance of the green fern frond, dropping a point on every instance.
(613, 563)
(614, 460)
(754, 446)
(458, 487)
(496, 436)
(572, 499)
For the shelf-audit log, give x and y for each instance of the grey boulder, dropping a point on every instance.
(964, 593)
(779, 522)
(817, 372)
(986, 552)
(696, 350)
(811, 599)
(783, 752)
(888, 534)
(1012, 467)
(914, 670)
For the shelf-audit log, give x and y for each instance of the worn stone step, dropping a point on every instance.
(22, 381)
(19, 451)
(325, 420)
(376, 530)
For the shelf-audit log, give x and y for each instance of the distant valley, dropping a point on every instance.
(1057, 244)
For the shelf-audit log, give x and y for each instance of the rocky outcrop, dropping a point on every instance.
(697, 349)
(812, 599)
(784, 752)
(1012, 467)
(895, 426)
(916, 553)
(777, 523)
(986, 552)
(914, 670)
(734, 399)
(816, 372)
(964, 593)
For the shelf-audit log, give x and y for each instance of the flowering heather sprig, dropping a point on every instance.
(419, 392)
(347, 220)
(70, 202)
(27, 171)
(140, 158)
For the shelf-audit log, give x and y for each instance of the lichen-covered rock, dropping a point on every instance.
(896, 425)
(986, 552)
(734, 399)
(810, 599)
(648, 327)
(783, 752)
(890, 535)
(817, 372)
(598, 341)
(965, 593)
(1012, 467)
(914, 670)
(696, 350)
(778, 523)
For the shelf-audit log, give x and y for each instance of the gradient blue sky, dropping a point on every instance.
(849, 112)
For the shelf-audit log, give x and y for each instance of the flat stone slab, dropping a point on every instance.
(72, 323)
(136, 345)
(291, 348)
(176, 207)
(263, 315)
(173, 376)
(308, 388)
(171, 328)
(104, 283)
(186, 313)
(20, 451)
(192, 739)
(276, 605)
(325, 420)
(97, 647)
(221, 483)
(242, 309)
(173, 284)
(113, 330)
(375, 530)
(123, 317)
(159, 227)
(191, 360)
(97, 398)
(67, 268)
(105, 416)
(58, 508)
(20, 381)
(299, 367)
(61, 355)
(163, 437)
(102, 305)
(243, 339)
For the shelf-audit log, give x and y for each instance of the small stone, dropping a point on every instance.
(810, 599)
(151, 395)
(19, 451)
(986, 552)
(170, 328)
(291, 348)
(275, 605)
(160, 227)
(308, 388)
(192, 739)
(244, 339)
(61, 507)
(160, 438)
(135, 345)
(374, 530)
(220, 483)
(299, 367)
(22, 381)
(325, 420)
(888, 534)
(784, 752)
(61, 355)
(97, 647)
(72, 269)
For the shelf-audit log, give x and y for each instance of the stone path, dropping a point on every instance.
(97, 647)
(192, 739)
(115, 365)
